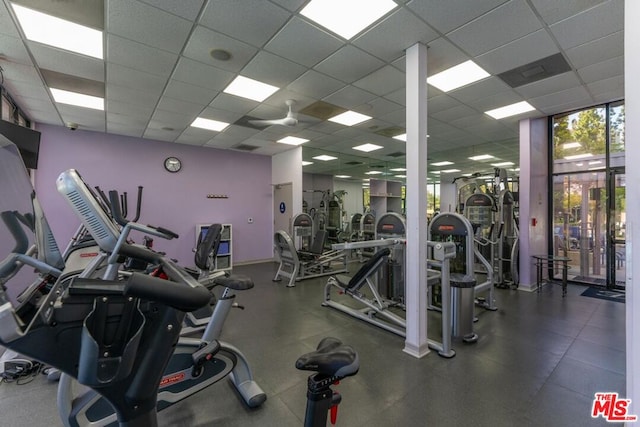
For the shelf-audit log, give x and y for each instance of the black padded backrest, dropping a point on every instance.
(208, 245)
(368, 268)
(317, 246)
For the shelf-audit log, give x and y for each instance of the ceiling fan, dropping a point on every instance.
(291, 119)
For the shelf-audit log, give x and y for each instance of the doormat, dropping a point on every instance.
(604, 294)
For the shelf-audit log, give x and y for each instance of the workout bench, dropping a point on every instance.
(299, 265)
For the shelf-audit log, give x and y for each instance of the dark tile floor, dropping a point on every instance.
(539, 360)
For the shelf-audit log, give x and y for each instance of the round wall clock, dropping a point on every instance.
(172, 164)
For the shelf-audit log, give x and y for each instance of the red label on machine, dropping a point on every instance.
(171, 379)
(446, 228)
(89, 255)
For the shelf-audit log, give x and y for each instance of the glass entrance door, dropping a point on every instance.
(616, 241)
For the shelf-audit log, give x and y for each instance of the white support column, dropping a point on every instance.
(632, 154)
(448, 196)
(416, 261)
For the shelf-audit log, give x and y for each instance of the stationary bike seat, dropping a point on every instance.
(331, 358)
(236, 282)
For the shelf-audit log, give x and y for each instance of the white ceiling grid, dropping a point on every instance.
(159, 74)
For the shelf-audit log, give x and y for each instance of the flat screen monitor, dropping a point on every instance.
(27, 140)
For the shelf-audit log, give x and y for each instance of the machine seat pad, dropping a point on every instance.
(236, 282)
(367, 269)
(331, 358)
(342, 280)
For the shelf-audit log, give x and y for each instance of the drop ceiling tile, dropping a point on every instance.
(383, 81)
(514, 19)
(187, 92)
(304, 43)
(233, 103)
(551, 85)
(595, 23)
(13, 50)
(170, 119)
(194, 136)
(397, 117)
(399, 96)
(272, 69)
(28, 105)
(204, 40)
(225, 116)
(67, 62)
(481, 89)
(614, 95)
(349, 97)
(126, 130)
(602, 70)
(45, 117)
(147, 24)
(27, 89)
(7, 26)
(125, 119)
(553, 11)
(161, 134)
(379, 107)
(279, 99)
(389, 38)
(180, 107)
(564, 97)
(478, 121)
(87, 119)
(134, 79)
(140, 57)
(349, 64)
(597, 51)
(519, 52)
(18, 72)
(252, 22)
(292, 5)
(136, 112)
(199, 74)
(132, 96)
(495, 101)
(446, 16)
(315, 84)
(326, 127)
(187, 9)
(442, 54)
(454, 113)
(613, 85)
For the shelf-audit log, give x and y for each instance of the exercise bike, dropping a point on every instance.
(331, 361)
(196, 363)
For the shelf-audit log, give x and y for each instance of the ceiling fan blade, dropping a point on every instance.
(266, 122)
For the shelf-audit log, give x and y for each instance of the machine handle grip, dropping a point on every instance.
(169, 234)
(138, 204)
(178, 295)
(116, 211)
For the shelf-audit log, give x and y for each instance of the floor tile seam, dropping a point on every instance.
(597, 366)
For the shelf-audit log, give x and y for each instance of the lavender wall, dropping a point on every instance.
(176, 201)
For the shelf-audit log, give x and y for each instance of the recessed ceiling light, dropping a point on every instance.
(595, 168)
(305, 163)
(249, 88)
(400, 176)
(467, 174)
(450, 170)
(373, 173)
(343, 176)
(366, 180)
(398, 169)
(349, 118)
(579, 164)
(209, 124)
(77, 99)
(368, 147)
(292, 140)
(501, 164)
(435, 172)
(568, 145)
(481, 157)
(46, 29)
(325, 158)
(347, 18)
(595, 162)
(578, 156)
(445, 163)
(458, 76)
(510, 110)
(401, 137)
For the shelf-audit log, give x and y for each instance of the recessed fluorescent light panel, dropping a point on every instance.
(292, 140)
(343, 176)
(595, 162)
(436, 172)
(46, 29)
(568, 145)
(347, 18)
(502, 164)
(305, 163)
(325, 158)
(481, 157)
(461, 75)
(445, 163)
(450, 170)
(373, 173)
(401, 137)
(398, 169)
(77, 99)
(349, 118)
(510, 110)
(578, 156)
(368, 147)
(251, 89)
(209, 124)
(400, 176)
